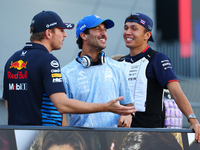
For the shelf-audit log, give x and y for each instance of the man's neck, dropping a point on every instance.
(45, 44)
(136, 50)
(92, 53)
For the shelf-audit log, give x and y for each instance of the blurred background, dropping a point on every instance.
(176, 33)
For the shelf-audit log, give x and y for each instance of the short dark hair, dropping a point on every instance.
(79, 41)
(37, 36)
(132, 17)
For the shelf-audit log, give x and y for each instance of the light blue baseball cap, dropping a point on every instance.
(92, 21)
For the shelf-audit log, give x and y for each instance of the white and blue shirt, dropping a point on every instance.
(148, 74)
(96, 84)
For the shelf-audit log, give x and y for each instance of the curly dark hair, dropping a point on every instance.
(79, 41)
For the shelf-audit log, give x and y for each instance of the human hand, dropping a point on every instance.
(115, 107)
(125, 121)
(196, 128)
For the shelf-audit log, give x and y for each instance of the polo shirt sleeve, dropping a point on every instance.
(160, 68)
(52, 78)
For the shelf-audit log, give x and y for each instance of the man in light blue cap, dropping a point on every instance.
(93, 77)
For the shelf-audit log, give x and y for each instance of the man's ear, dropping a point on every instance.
(147, 35)
(83, 36)
(48, 33)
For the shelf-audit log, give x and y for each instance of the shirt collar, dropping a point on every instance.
(29, 46)
(132, 59)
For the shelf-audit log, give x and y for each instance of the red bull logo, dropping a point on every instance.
(18, 75)
(18, 64)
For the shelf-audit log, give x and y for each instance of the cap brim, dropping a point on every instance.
(108, 23)
(151, 38)
(68, 26)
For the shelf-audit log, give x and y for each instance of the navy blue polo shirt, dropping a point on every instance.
(159, 68)
(151, 71)
(28, 73)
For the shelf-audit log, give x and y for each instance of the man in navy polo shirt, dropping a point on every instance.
(33, 71)
(148, 73)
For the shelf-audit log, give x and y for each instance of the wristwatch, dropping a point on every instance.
(191, 116)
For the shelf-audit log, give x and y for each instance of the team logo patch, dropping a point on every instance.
(20, 64)
(23, 53)
(54, 63)
(56, 75)
(142, 22)
(18, 75)
(56, 80)
(69, 25)
(18, 86)
(166, 64)
(55, 70)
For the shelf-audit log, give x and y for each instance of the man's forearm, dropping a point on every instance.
(65, 105)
